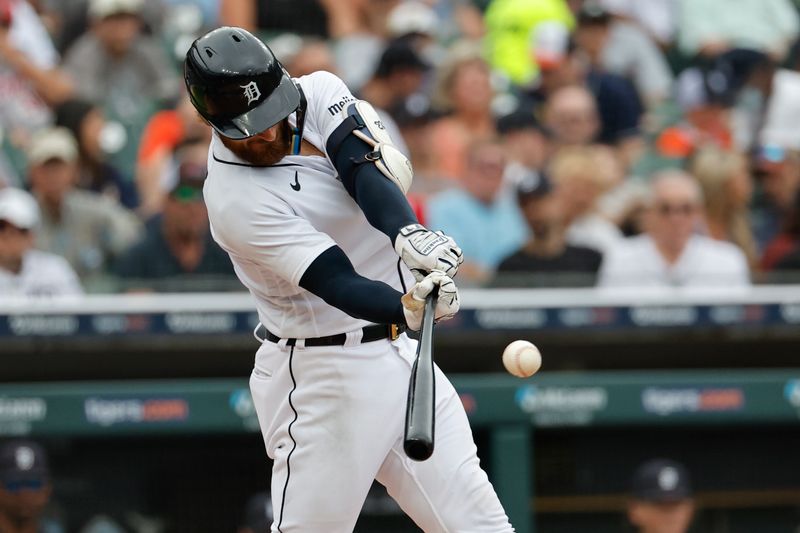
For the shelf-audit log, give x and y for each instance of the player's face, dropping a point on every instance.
(661, 517)
(265, 148)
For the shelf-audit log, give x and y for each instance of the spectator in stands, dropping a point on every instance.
(257, 514)
(414, 118)
(480, 216)
(25, 489)
(115, 64)
(547, 251)
(312, 55)
(164, 134)
(710, 27)
(661, 498)
(96, 137)
(177, 243)
(785, 242)
(620, 47)
(24, 271)
(714, 110)
(524, 141)
(570, 115)
(29, 74)
(84, 227)
(277, 16)
(778, 172)
(617, 101)
(581, 176)
(509, 24)
(670, 253)
(724, 177)
(398, 76)
(358, 31)
(463, 91)
(417, 23)
(657, 17)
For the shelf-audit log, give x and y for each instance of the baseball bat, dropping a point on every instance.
(420, 406)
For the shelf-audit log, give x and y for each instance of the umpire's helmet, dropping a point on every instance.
(236, 83)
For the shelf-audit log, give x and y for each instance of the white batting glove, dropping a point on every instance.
(414, 301)
(423, 251)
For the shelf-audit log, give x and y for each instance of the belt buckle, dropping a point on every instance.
(394, 332)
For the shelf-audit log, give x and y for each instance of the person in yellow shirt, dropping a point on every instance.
(509, 24)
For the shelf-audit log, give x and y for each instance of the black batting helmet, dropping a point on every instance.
(236, 83)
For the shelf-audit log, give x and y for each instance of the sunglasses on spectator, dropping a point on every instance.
(4, 225)
(666, 209)
(27, 484)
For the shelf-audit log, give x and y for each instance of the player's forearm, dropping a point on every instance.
(332, 277)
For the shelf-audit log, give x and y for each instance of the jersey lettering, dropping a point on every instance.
(338, 106)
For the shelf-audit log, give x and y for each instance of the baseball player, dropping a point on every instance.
(306, 193)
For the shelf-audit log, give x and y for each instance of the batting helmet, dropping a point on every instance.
(236, 83)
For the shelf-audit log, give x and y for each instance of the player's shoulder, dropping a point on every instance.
(320, 79)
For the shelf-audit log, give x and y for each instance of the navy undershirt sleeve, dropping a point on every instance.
(331, 276)
(383, 203)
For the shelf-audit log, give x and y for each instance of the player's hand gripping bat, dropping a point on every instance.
(420, 407)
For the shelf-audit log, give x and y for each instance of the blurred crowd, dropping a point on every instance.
(560, 142)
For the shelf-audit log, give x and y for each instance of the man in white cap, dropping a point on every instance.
(26, 272)
(88, 229)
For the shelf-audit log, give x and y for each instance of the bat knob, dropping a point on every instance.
(418, 450)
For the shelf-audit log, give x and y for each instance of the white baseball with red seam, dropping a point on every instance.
(522, 359)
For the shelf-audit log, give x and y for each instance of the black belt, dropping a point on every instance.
(369, 334)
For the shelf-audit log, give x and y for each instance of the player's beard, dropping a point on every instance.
(260, 152)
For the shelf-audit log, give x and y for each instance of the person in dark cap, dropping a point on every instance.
(399, 74)
(547, 251)
(661, 498)
(25, 488)
(524, 139)
(177, 243)
(257, 514)
(97, 139)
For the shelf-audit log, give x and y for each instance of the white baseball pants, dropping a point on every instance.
(332, 419)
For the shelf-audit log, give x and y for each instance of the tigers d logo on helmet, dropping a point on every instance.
(251, 92)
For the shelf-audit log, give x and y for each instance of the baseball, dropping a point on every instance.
(522, 359)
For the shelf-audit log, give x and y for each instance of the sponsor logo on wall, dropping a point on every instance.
(18, 414)
(553, 405)
(666, 401)
(109, 412)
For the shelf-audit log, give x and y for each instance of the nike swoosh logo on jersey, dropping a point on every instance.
(296, 184)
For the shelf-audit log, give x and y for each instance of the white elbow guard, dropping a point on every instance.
(362, 121)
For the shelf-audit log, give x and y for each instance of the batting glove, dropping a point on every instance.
(423, 251)
(414, 301)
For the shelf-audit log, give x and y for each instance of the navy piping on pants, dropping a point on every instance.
(294, 442)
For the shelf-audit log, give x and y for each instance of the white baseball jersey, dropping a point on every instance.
(43, 275)
(274, 221)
